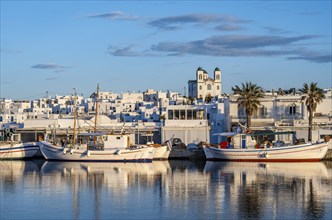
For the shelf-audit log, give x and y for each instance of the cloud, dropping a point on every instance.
(9, 51)
(115, 15)
(175, 22)
(229, 27)
(232, 45)
(51, 78)
(274, 30)
(52, 66)
(310, 13)
(125, 51)
(325, 58)
(128, 52)
(312, 56)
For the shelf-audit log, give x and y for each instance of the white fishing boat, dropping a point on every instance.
(244, 147)
(11, 146)
(108, 147)
(96, 146)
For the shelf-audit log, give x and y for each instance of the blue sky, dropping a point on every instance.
(56, 46)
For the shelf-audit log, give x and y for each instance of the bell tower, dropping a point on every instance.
(217, 75)
(217, 80)
(200, 74)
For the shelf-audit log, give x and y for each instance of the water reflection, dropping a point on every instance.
(165, 190)
(254, 189)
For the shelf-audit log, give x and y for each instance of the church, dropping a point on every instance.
(204, 86)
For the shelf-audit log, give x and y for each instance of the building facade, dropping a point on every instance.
(204, 86)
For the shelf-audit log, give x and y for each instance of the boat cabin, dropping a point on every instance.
(237, 140)
(258, 139)
(108, 141)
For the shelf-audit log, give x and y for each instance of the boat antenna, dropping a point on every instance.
(75, 117)
(96, 113)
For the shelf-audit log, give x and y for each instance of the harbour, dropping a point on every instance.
(165, 110)
(39, 189)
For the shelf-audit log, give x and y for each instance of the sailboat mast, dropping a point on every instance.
(75, 118)
(96, 115)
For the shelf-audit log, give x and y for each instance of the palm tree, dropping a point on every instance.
(312, 95)
(249, 98)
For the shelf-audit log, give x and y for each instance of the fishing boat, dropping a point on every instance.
(11, 146)
(107, 147)
(245, 147)
(161, 151)
(95, 146)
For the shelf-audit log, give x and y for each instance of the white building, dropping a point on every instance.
(204, 86)
(187, 122)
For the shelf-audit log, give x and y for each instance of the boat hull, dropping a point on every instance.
(53, 152)
(161, 153)
(299, 153)
(19, 150)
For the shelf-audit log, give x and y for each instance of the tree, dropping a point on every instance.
(208, 98)
(312, 95)
(249, 95)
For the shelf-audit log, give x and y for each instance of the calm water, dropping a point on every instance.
(165, 190)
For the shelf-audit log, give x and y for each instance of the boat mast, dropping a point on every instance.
(75, 118)
(96, 113)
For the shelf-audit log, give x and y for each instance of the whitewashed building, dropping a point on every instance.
(205, 86)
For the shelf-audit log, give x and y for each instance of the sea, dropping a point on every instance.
(174, 189)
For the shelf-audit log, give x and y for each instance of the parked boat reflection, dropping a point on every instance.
(296, 190)
(308, 169)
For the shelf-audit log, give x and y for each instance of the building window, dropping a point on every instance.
(217, 77)
(292, 109)
(217, 87)
(208, 86)
(189, 114)
(176, 114)
(170, 114)
(200, 76)
(262, 111)
(182, 114)
(241, 112)
(200, 87)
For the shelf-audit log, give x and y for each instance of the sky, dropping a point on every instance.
(51, 47)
